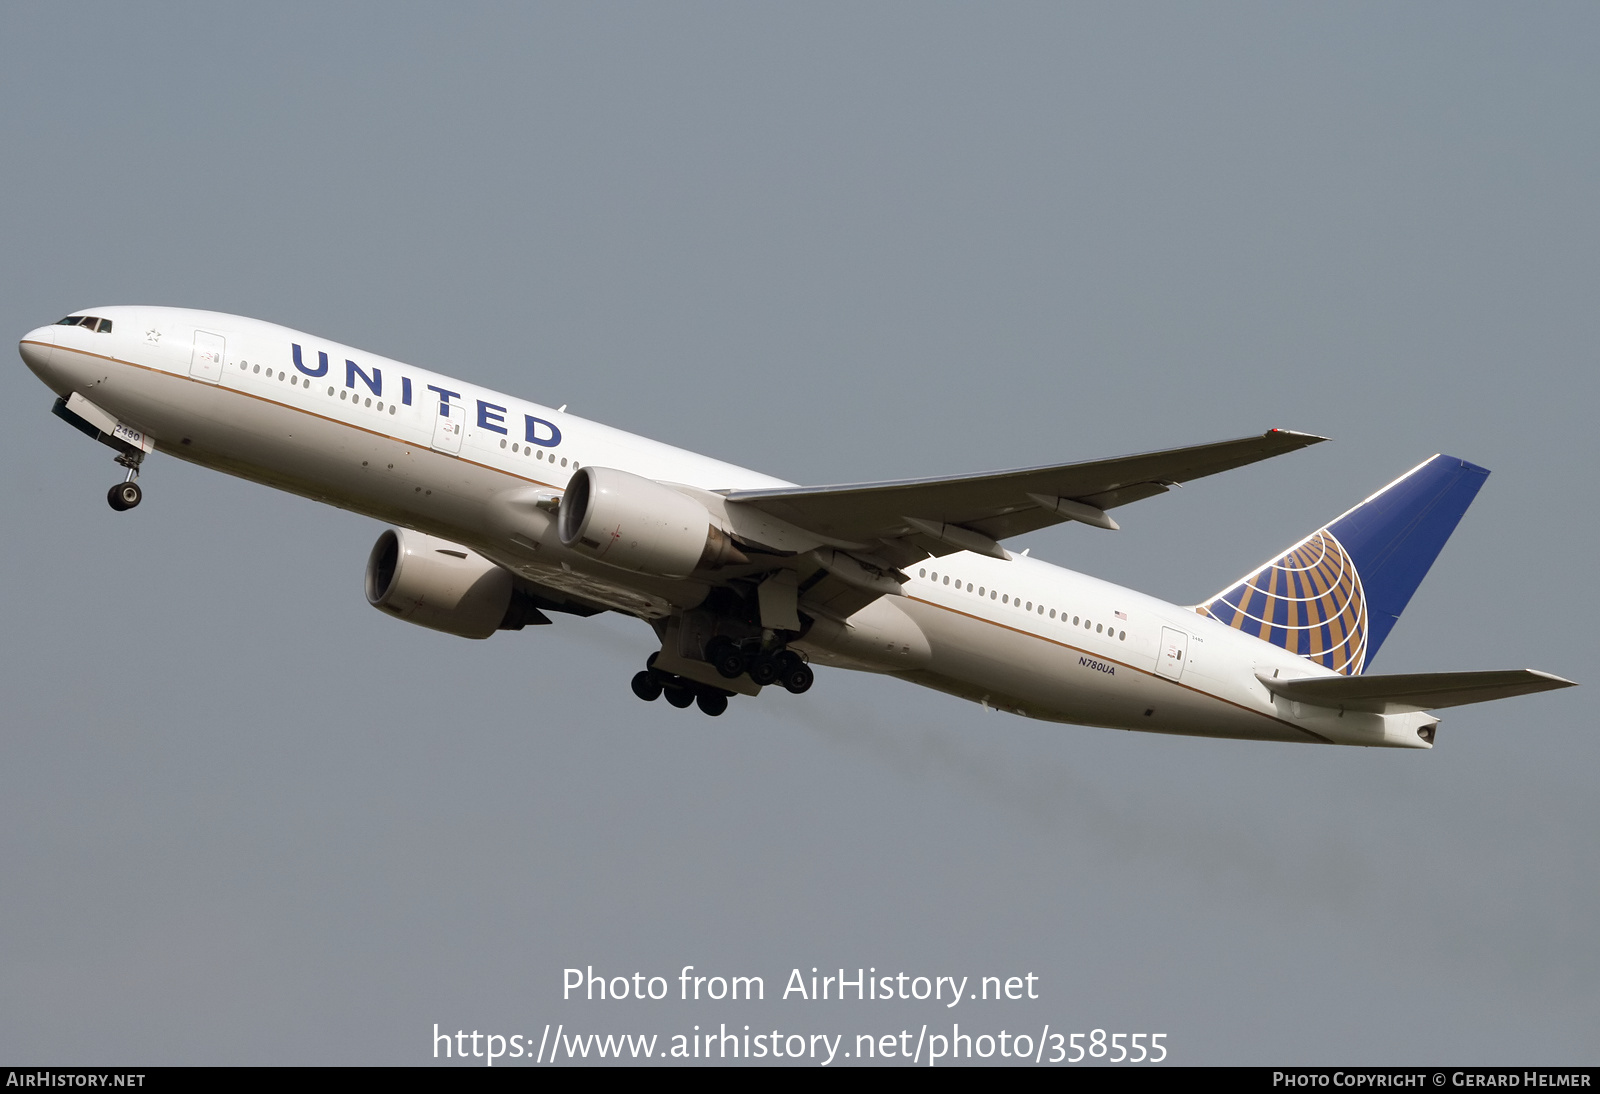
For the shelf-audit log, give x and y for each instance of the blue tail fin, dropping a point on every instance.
(1335, 596)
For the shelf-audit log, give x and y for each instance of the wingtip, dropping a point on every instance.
(1302, 439)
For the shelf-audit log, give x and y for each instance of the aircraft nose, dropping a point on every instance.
(37, 347)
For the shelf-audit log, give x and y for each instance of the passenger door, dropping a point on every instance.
(210, 351)
(1174, 648)
(448, 427)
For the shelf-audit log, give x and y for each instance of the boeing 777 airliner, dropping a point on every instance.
(507, 510)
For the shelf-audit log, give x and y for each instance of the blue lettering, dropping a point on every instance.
(532, 435)
(322, 362)
(444, 399)
(405, 390)
(487, 418)
(374, 382)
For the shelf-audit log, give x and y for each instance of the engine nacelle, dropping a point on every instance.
(640, 525)
(443, 586)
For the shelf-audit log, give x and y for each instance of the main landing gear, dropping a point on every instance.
(731, 660)
(653, 683)
(785, 667)
(126, 494)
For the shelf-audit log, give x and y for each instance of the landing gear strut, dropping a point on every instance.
(126, 494)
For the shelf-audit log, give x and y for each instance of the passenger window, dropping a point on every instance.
(1052, 613)
(947, 579)
(1097, 628)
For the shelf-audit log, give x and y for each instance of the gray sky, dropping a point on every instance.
(244, 818)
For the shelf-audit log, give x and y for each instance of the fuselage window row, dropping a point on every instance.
(295, 381)
(344, 394)
(1099, 628)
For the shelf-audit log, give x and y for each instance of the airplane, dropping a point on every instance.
(506, 512)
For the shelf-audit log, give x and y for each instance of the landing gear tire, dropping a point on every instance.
(763, 669)
(725, 657)
(124, 496)
(796, 676)
(646, 686)
(712, 702)
(682, 698)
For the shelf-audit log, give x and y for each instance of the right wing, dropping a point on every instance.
(877, 527)
(932, 514)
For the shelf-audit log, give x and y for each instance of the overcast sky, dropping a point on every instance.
(244, 818)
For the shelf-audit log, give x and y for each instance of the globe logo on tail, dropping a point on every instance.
(1309, 601)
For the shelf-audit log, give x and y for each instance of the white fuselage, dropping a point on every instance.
(368, 435)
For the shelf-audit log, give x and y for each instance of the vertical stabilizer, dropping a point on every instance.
(1335, 596)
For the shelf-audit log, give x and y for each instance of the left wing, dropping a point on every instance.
(917, 517)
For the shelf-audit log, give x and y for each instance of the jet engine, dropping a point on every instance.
(641, 525)
(443, 586)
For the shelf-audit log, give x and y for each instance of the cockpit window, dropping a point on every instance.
(90, 321)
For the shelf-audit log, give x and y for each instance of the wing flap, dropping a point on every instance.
(1414, 691)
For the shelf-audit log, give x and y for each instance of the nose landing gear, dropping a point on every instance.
(126, 494)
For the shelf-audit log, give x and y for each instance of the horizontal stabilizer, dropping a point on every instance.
(1413, 691)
